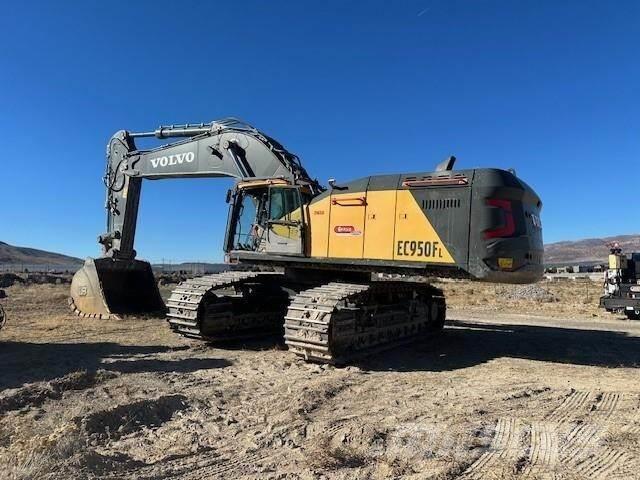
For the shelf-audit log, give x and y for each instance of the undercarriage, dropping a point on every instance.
(323, 320)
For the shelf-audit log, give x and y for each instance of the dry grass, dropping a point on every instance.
(567, 298)
(43, 455)
(40, 313)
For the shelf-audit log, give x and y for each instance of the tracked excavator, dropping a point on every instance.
(343, 270)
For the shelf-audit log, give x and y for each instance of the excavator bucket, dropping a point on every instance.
(107, 287)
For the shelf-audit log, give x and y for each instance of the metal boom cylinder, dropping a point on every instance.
(175, 131)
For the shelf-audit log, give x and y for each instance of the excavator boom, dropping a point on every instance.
(117, 283)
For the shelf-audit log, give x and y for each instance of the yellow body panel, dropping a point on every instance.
(346, 225)
(415, 238)
(379, 225)
(318, 217)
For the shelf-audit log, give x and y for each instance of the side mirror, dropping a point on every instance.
(228, 199)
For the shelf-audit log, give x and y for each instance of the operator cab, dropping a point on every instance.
(267, 216)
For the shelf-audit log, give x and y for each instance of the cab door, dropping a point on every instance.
(285, 222)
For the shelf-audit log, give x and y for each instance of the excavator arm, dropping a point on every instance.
(117, 282)
(226, 148)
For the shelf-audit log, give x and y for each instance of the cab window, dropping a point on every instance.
(282, 203)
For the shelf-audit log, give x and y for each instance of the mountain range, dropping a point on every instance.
(11, 255)
(590, 250)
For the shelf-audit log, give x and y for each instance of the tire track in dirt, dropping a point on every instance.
(582, 451)
(574, 402)
(505, 446)
(583, 438)
(633, 426)
(579, 443)
(567, 439)
(606, 404)
(543, 453)
(223, 467)
(629, 469)
(602, 464)
(202, 465)
(36, 394)
(634, 429)
(334, 426)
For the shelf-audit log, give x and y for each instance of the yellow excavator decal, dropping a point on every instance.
(415, 238)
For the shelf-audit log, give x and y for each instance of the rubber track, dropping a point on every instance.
(185, 300)
(321, 317)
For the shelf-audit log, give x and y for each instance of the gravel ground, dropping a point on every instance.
(501, 394)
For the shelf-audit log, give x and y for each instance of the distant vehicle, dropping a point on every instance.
(622, 284)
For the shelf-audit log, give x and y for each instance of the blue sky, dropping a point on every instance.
(549, 88)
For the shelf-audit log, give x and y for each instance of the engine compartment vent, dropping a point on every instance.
(440, 203)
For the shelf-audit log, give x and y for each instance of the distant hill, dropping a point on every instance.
(590, 250)
(10, 255)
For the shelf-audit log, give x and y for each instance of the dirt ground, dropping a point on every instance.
(521, 384)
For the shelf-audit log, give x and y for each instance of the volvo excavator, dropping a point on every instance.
(343, 270)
